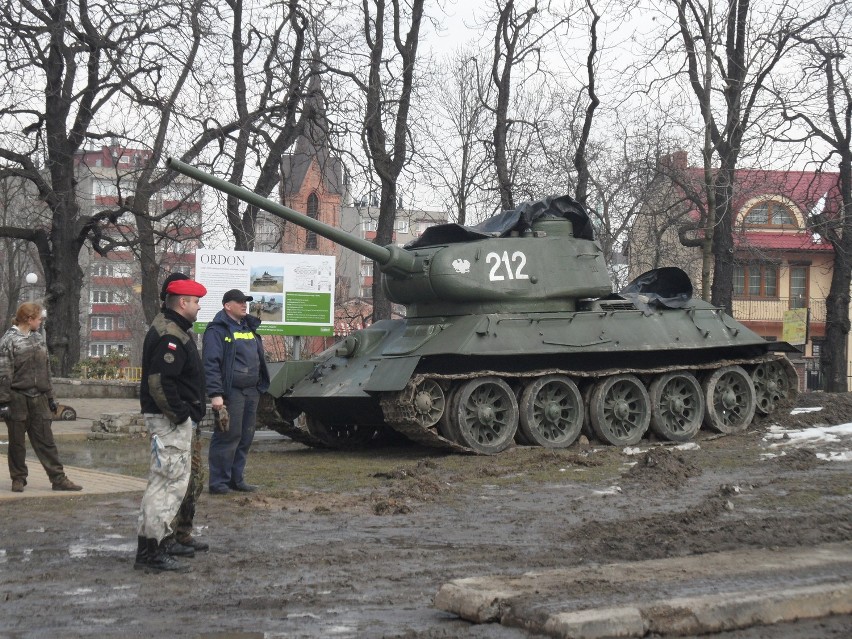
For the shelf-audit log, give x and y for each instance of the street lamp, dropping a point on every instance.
(31, 280)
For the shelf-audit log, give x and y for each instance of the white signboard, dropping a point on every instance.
(293, 294)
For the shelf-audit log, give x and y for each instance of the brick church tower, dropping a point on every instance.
(312, 183)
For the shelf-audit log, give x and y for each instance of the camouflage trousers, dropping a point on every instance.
(168, 475)
(182, 523)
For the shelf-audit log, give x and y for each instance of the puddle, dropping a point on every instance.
(80, 551)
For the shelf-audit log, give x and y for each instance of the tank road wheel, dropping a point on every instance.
(730, 399)
(677, 406)
(448, 424)
(620, 410)
(771, 386)
(551, 412)
(341, 435)
(429, 403)
(486, 415)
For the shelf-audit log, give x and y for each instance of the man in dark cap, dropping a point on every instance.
(236, 375)
(173, 400)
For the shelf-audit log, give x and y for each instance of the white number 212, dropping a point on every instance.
(517, 258)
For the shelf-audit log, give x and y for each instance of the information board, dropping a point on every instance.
(293, 294)
(795, 327)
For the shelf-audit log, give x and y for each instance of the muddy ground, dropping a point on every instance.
(356, 544)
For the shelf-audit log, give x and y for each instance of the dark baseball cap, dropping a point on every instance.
(235, 295)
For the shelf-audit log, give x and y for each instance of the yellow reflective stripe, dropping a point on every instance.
(246, 335)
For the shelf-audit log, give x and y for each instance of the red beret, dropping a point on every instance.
(186, 287)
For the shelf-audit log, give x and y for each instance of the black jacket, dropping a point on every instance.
(172, 375)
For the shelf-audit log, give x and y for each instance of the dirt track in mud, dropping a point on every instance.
(356, 544)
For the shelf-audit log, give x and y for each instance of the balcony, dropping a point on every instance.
(772, 310)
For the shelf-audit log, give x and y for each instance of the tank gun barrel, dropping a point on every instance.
(390, 258)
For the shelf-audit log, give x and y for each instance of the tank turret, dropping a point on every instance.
(512, 334)
(530, 261)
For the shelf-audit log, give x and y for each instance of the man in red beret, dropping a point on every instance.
(172, 395)
(181, 543)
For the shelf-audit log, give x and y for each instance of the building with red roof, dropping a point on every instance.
(781, 262)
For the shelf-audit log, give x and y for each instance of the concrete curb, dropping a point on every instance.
(698, 615)
(552, 602)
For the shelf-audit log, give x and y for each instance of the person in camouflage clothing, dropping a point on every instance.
(26, 399)
(172, 397)
(182, 543)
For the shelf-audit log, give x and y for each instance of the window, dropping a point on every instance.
(101, 323)
(99, 349)
(366, 269)
(101, 297)
(104, 188)
(401, 225)
(369, 224)
(422, 225)
(313, 213)
(770, 213)
(122, 323)
(798, 287)
(756, 280)
(102, 270)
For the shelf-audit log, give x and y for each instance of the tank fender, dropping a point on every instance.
(392, 374)
(289, 374)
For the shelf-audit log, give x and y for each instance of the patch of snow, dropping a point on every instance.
(688, 446)
(813, 434)
(612, 490)
(832, 443)
(811, 409)
(845, 455)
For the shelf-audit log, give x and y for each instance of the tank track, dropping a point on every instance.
(401, 415)
(295, 429)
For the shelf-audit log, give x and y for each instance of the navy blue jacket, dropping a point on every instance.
(218, 352)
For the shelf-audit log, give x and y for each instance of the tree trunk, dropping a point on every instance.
(384, 236)
(63, 283)
(723, 238)
(833, 358)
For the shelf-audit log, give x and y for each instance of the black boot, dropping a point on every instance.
(176, 549)
(141, 553)
(160, 561)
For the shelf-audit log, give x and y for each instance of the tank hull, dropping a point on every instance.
(371, 379)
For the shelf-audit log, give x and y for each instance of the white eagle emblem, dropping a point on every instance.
(461, 266)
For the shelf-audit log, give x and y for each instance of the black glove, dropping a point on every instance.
(51, 404)
(5, 411)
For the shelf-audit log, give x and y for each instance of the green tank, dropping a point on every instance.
(513, 334)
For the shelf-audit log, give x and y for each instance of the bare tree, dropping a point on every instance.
(16, 256)
(385, 85)
(283, 97)
(818, 101)
(60, 71)
(740, 50)
(519, 36)
(452, 155)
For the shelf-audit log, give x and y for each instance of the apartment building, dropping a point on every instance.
(111, 313)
